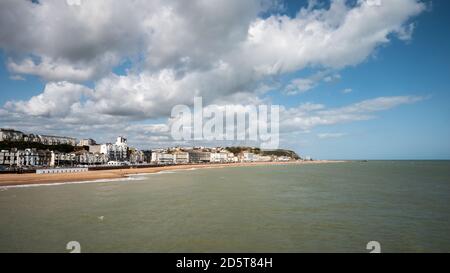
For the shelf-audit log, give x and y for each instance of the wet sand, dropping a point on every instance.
(33, 179)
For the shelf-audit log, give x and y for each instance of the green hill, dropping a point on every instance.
(278, 152)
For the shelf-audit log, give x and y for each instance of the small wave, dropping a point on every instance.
(192, 169)
(165, 172)
(4, 188)
(129, 177)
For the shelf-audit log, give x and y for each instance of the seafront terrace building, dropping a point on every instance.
(181, 157)
(57, 140)
(136, 156)
(39, 158)
(199, 157)
(87, 142)
(162, 158)
(222, 157)
(62, 159)
(7, 158)
(14, 136)
(25, 158)
(87, 158)
(10, 135)
(249, 157)
(117, 151)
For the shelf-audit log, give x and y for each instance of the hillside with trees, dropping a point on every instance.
(278, 152)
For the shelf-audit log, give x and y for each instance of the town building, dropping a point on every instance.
(117, 151)
(136, 156)
(57, 140)
(221, 157)
(147, 156)
(181, 157)
(10, 135)
(14, 136)
(249, 157)
(266, 158)
(87, 142)
(95, 149)
(283, 158)
(88, 158)
(62, 159)
(25, 158)
(162, 158)
(199, 157)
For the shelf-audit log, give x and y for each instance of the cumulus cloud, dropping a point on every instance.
(81, 42)
(56, 100)
(306, 117)
(223, 51)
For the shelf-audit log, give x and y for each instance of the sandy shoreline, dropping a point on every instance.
(35, 179)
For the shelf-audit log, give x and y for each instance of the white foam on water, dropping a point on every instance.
(130, 177)
(164, 172)
(4, 188)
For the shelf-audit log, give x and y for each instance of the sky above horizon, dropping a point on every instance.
(354, 79)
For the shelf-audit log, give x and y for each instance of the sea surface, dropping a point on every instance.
(338, 207)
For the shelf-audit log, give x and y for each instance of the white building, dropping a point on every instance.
(56, 140)
(87, 158)
(181, 157)
(163, 158)
(24, 158)
(249, 157)
(221, 157)
(117, 151)
(283, 158)
(10, 135)
(264, 158)
(136, 156)
(87, 142)
(62, 159)
(13, 135)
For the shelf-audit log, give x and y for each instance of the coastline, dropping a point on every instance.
(92, 176)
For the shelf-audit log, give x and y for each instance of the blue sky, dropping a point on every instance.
(417, 67)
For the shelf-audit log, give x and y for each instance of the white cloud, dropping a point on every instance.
(82, 42)
(78, 43)
(302, 85)
(347, 91)
(53, 70)
(56, 100)
(332, 78)
(81, 123)
(17, 78)
(306, 117)
(299, 86)
(330, 135)
(220, 50)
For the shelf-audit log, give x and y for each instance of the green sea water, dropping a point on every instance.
(339, 207)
